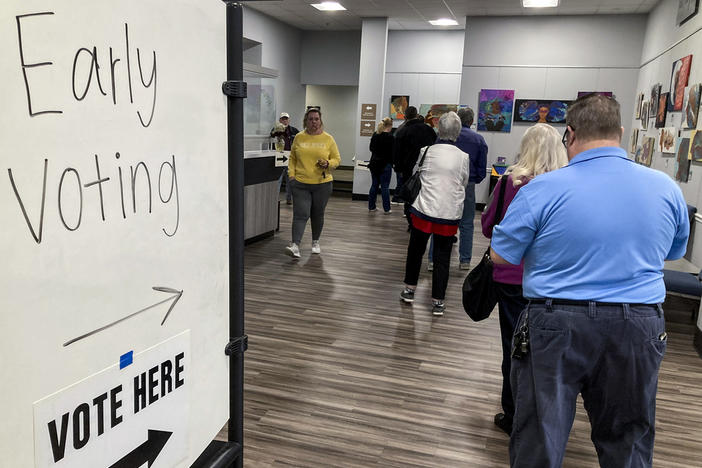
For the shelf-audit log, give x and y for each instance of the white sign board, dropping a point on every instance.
(282, 158)
(113, 207)
(131, 413)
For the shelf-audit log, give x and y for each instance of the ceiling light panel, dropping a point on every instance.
(328, 6)
(539, 3)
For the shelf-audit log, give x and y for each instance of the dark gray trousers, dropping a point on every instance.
(611, 355)
(309, 202)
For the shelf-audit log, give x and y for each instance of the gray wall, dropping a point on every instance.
(281, 50)
(330, 57)
(338, 104)
(549, 57)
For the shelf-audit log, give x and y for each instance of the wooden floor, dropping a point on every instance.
(340, 373)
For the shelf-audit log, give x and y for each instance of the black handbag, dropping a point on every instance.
(479, 296)
(409, 191)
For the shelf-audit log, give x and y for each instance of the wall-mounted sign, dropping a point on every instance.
(368, 111)
(367, 127)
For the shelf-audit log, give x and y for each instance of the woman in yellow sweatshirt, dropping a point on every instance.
(313, 156)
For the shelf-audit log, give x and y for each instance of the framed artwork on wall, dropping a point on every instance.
(686, 10)
(644, 115)
(601, 93)
(695, 153)
(432, 112)
(495, 110)
(649, 145)
(662, 110)
(655, 93)
(639, 103)
(398, 106)
(682, 163)
(692, 106)
(541, 111)
(634, 140)
(666, 140)
(678, 82)
(638, 154)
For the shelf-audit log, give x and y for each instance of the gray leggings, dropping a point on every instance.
(309, 201)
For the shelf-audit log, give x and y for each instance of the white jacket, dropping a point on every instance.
(444, 176)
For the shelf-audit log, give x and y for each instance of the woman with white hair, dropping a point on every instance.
(541, 151)
(437, 210)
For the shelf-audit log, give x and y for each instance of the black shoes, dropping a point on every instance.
(504, 423)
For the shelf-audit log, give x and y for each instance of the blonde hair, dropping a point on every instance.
(540, 151)
(383, 124)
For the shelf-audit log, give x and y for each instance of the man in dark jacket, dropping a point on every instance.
(413, 135)
(288, 135)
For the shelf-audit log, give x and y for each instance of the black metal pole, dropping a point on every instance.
(235, 125)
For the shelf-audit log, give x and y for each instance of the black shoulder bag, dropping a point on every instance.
(479, 297)
(410, 189)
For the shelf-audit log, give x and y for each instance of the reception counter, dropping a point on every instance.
(261, 208)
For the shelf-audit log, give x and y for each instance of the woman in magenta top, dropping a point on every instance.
(540, 151)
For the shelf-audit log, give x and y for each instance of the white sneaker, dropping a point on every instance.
(316, 249)
(293, 250)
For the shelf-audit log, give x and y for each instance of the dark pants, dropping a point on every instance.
(442, 257)
(398, 183)
(611, 355)
(407, 206)
(510, 304)
(309, 202)
(381, 179)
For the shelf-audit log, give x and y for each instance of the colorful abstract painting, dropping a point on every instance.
(666, 140)
(398, 106)
(638, 154)
(692, 106)
(541, 111)
(682, 163)
(495, 110)
(678, 82)
(649, 145)
(662, 110)
(695, 153)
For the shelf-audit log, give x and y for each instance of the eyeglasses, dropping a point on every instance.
(564, 140)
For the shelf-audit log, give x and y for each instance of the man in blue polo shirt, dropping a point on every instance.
(593, 236)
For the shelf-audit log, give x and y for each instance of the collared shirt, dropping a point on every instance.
(598, 229)
(474, 144)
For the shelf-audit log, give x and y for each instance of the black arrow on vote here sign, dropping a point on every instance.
(284, 158)
(146, 452)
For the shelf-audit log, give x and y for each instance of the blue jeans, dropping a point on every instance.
(465, 228)
(288, 191)
(384, 181)
(611, 355)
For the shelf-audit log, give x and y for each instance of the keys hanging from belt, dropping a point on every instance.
(520, 345)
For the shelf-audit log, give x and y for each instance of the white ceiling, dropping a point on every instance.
(414, 14)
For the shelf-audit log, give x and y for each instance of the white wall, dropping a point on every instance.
(664, 43)
(338, 104)
(549, 57)
(330, 57)
(425, 65)
(281, 50)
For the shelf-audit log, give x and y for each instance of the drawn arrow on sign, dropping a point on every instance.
(283, 159)
(175, 297)
(146, 452)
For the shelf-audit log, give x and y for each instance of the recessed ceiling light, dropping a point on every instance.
(539, 3)
(328, 6)
(444, 22)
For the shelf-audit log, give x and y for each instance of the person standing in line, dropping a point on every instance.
(540, 151)
(413, 135)
(593, 236)
(437, 210)
(287, 133)
(474, 144)
(313, 156)
(380, 165)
